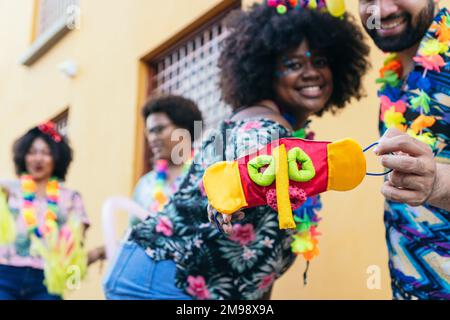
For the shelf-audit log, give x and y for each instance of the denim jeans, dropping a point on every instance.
(23, 283)
(133, 275)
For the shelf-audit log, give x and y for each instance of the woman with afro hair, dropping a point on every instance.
(277, 70)
(38, 202)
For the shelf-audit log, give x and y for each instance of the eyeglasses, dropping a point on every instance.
(157, 130)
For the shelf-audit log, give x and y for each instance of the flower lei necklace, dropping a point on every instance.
(394, 104)
(305, 240)
(61, 248)
(29, 188)
(162, 173)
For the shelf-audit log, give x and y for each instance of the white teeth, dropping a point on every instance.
(314, 90)
(391, 25)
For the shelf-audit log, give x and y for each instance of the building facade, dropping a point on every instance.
(90, 65)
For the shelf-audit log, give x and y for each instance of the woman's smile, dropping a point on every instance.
(312, 91)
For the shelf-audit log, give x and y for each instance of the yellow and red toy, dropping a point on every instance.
(283, 174)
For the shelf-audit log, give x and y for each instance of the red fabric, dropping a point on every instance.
(297, 196)
(317, 150)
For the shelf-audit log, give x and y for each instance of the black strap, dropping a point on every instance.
(305, 274)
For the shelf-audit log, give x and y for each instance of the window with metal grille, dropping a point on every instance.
(190, 69)
(51, 12)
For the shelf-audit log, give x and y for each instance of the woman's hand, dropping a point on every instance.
(5, 192)
(223, 221)
(97, 254)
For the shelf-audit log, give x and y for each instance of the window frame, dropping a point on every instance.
(62, 120)
(147, 74)
(43, 42)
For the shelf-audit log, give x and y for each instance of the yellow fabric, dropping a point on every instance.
(346, 165)
(7, 222)
(285, 218)
(65, 260)
(223, 186)
(336, 7)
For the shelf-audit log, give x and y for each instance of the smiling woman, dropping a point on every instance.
(312, 90)
(42, 152)
(276, 71)
(275, 48)
(42, 210)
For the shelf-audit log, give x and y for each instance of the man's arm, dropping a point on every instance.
(416, 178)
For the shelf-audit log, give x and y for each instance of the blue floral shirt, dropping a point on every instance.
(418, 238)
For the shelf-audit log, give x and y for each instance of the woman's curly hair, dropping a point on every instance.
(61, 152)
(260, 35)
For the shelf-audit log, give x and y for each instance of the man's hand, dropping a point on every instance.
(413, 180)
(223, 222)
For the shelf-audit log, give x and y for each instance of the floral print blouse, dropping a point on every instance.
(211, 265)
(18, 254)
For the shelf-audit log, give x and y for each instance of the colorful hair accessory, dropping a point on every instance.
(49, 128)
(334, 7)
(430, 57)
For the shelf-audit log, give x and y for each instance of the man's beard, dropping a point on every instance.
(411, 35)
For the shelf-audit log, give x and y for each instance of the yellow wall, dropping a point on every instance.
(102, 122)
